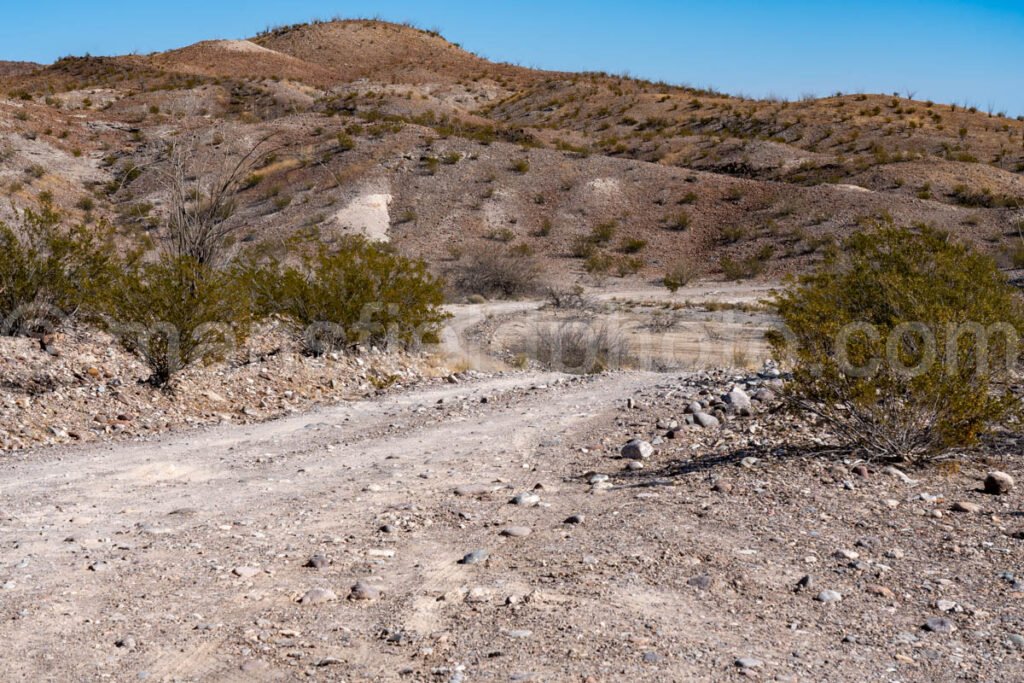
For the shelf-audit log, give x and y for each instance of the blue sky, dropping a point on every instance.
(945, 50)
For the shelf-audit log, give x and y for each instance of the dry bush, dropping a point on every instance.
(580, 347)
(494, 272)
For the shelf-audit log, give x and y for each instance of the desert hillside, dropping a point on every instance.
(393, 131)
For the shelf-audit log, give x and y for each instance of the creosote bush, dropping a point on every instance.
(358, 293)
(175, 312)
(903, 343)
(47, 271)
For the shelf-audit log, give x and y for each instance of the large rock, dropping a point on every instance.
(738, 400)
(998, 483)
(637, 450)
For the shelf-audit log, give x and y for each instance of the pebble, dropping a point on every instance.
(1015, 640)
(749, 663)
(364, 591)
(703, 582)
(805, 582)
(475, 557)
(516, 531)
(998, 483)
(245, 572)
(597, 478)
(318, 561)
(521, 633)
(634, 465)
(470, 490)
(575, 519)
(317, 596)
(829, 596)
(880, 591)
(705, 420)
(939, 625)
(526, 500)
(637, 449)
(964, 506)
(722, 486)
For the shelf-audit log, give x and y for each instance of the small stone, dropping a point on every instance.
(861, 471)
(634, 465)
(828, 596)
(749, 461)
(473, 490)
(706, 421)
(597, 478)
(1015, 640)
(318, 561)
(880, 591)
(722, 486)
(749, 663)
(245, 572)
(964, 506)
(939, 625)
(846, 555)
(516, 531)
(806, 582)
(637, 449)
(364, 591)
(998, 483)
(521, 633)
(702, 582)
(475, 557)
(651, 658)
(126, 642)
(318, 596)
(945, 605)
(526, 500)
(575, 519)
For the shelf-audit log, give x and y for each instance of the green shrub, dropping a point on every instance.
(358, 293)
(903, 343)
(633, 245)
(175, 312)
(521, 166)
(680, 274)
(46, 270)
(603, 233)
(679, 222)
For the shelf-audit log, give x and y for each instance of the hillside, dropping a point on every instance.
(390, 130)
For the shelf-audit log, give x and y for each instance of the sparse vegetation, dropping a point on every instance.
(902, 343)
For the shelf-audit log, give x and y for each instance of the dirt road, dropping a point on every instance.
(184, 558)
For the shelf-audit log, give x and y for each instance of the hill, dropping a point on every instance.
(391, 130)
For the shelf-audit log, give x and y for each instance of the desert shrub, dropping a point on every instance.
(679, 222)
(902, 343)
(741, 269)
(680, 274)
(357, 293)
(573, 298)
(504, 235)
(598, 263)
(493, 272)
(580, 347)
(628, 265)
(47, 270)
(633, 245)
(520, 166)
(174, 312)
(603, 233)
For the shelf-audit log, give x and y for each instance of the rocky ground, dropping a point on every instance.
(492, 530)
